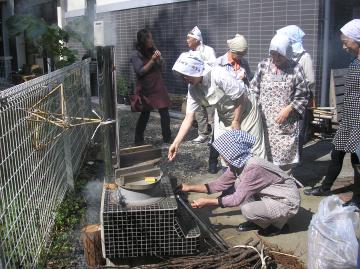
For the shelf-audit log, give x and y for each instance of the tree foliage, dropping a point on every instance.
(42, 39)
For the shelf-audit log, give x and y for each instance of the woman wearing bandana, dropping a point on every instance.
(207, 86)
(347, 137)
(205, 116)
(267, 196)
(283, 94)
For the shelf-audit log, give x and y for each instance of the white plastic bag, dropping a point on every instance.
(332, 236)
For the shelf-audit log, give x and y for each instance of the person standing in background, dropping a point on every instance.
(147, 64)
(233, 60)
(303, 58)
(283, 95)
(250, 120)
(205, 116)
(347, 137)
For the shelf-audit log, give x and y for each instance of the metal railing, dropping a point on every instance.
(38, 157)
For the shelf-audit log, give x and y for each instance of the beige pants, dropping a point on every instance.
(205, 117)
(257, 212)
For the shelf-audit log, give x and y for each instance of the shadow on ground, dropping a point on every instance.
(300, 222)
(314, 165)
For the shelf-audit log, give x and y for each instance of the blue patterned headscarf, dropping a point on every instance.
(296, 35)
(235, 147)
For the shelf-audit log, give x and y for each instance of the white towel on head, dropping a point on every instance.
(281, 44)
(191, 64)
(237, 44)
(352, 30)
(296, 35)
(196, 33)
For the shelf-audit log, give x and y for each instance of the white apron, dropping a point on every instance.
(282, 146)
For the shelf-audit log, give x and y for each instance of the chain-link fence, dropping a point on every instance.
(39, 154)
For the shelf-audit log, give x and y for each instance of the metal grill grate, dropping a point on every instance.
(157, 229)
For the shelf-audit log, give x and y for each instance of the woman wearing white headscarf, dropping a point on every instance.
(205, 116)
(208, 86)
(347, 137)
(303, 58)
(300, 55)
(283, 94)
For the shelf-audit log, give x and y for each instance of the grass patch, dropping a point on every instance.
(61, 251)
(65, 249)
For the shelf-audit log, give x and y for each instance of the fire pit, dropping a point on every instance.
(145, 220)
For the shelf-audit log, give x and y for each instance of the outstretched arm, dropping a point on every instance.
(184, 129)
(201, 188)
(201, 202)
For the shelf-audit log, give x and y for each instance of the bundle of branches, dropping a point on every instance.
(249, 255)
(254, 253)
(283, 259)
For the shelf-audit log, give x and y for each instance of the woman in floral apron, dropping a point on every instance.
(283, 94)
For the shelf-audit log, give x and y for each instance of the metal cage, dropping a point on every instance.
(157, 229)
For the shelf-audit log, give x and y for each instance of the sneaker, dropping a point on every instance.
(317, 191)
(200, 139)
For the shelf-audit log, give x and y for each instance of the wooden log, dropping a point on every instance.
(91, 239)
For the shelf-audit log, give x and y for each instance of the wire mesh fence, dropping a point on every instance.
(39, 154)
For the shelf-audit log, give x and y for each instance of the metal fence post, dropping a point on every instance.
(106, 84)
(68, 161)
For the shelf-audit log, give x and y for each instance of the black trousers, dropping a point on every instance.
(305, 131)
(213, 157)
(143, 120)
(213, 154)
(337, 158)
